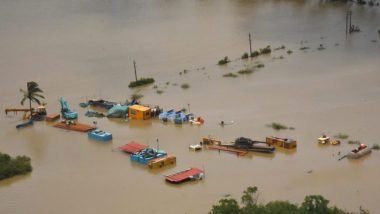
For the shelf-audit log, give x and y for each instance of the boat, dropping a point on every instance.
(250, 145)
(161, 162)
(195, 147)
(145, 155)
(359, 152)
(185, 175)
(100, 135)
(23, 125)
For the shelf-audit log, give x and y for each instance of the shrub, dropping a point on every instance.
(159, 91)
(280, 48)
(136, 96)
(245, 56)
(265, 50)
(304, 48)
(277, 126)
(289, 52)
(376, 147)
(185, 86)
(260, 65)
(255, 54)
(140, 82)
(356, 142)
(341, 136)
(224, 61)
(10, 167)
(246, 71)
(230, 75)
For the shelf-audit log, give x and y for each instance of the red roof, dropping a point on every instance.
(183, 175)
(133, 147)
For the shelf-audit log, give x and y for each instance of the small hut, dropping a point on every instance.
(139, 112)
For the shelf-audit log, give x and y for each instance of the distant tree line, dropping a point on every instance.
(312, 204)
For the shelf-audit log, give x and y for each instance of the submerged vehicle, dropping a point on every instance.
(250, 145)
(146, 155)
(359, 152)
(67, 113)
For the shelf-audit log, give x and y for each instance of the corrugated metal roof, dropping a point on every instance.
(183, 175)
(133, 147)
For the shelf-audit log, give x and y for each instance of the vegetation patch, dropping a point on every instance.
(10, 167)
(136, 96)
(224, 61)
(312, 204)
(246, 71)
(289, 52)
(304, 48)
(265, 50)
(185, 86)
(376, 147)
(245, 56)
(342, 136)
(278, 126)
(229, 75)
(159, 91)
(321, 47)
(260, 65)
(354, 142)
(280, 48)
(255, 54)
(141, 82)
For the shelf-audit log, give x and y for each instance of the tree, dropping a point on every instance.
(250, 196)
(32, 93)
(315, 204)
(226, 206)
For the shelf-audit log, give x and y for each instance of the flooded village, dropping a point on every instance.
(171, 106)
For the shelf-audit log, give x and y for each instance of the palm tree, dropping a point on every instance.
(32, 93)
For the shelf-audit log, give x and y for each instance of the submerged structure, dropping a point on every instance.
(146, 155)
(66, 111)
(100, 135)
(185, 175)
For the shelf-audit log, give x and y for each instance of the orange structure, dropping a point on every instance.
(52, 117)
(74, 126)
(139, 112)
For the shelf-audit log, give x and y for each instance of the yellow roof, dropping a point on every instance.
(139, 108)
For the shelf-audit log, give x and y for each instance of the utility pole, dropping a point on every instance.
(350, 14)
(347, 22)
(134, 65)
(250, 46)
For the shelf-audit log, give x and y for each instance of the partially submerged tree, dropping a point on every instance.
(32, 93)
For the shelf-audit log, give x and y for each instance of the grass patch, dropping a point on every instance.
(354, 142)
(136, 96)
(140, 82)
(376, 147)
(265, 50)
(260, 65)
(378, 31)
(342, 136)
(278, 126)
(167, 83)
(289, 52)
(185, 86)
(10, 167)
(321, 47)
(230, 75)
(304, 48)
(246, 71)
(159, 91)
(245, 56)
(255, 54)
(155, 86)
(224, 61)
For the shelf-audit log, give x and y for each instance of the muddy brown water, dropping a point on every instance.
(84, 49)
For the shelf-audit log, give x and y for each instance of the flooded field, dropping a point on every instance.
(85, 49)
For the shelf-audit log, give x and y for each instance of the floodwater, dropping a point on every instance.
(85, 49)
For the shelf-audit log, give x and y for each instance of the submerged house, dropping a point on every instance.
(139, 112)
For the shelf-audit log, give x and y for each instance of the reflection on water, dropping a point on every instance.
(84, 49)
